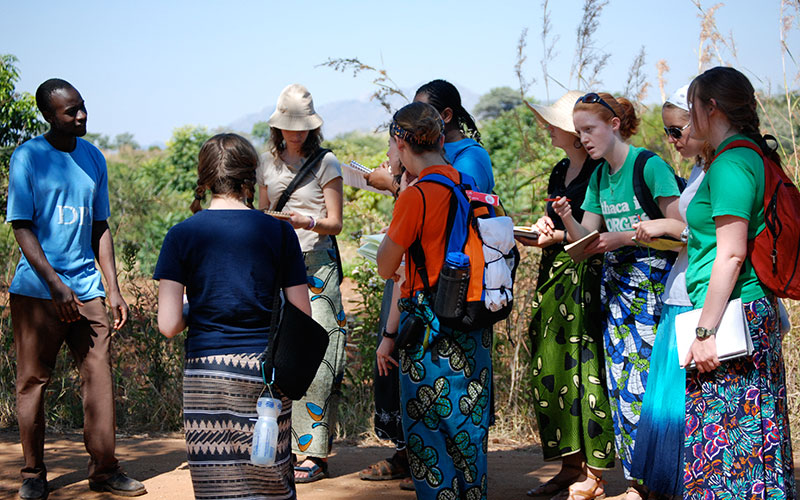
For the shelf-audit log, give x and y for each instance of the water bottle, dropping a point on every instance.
(265, 433)
(451, 292)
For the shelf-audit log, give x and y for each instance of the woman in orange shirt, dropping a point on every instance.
(446, 427)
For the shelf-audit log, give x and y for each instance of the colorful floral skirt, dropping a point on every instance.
(569, 380)
(313, 418)
(737, 425)
(658, 459)
(632, 285)
(219, 412)
(445, 397)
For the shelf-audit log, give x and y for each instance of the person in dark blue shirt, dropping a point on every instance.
(227, 258)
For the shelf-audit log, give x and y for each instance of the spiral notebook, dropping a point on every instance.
(733, 334)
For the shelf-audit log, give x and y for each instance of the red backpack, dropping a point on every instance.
(775, 251)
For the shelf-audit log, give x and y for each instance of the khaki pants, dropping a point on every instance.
(38, 336)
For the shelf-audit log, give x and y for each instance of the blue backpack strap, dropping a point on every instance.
(458, 216)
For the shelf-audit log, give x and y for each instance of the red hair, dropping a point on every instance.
(628, 121)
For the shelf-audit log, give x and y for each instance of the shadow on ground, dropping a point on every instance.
(160, 462)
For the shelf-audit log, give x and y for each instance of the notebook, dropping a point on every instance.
(662, 243)
(576, 249)
(526, 232)
(353, 175)
(733, 334)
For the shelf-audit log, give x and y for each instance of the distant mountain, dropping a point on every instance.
(349, 115)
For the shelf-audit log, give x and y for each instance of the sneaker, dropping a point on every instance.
(33, 488)
(119, 484)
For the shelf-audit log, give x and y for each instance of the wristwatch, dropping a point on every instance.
(388, 335)
(685, 235)
(703, 333)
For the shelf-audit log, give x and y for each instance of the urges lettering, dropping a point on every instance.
(68, 215)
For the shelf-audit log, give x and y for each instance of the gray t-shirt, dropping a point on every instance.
(307, 199)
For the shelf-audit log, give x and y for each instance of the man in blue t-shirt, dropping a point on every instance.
(58, 208)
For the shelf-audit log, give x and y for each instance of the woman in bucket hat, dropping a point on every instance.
(314, 209)
(568, 371)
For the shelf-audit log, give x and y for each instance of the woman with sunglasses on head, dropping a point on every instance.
(227, 258)
(315, 209)
(445, 374)
(658, 459)
(737, 425)
(633, 276)
(575, 423)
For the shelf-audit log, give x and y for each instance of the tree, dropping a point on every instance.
(494, 102)
(100, 140)
(19, 120)
(261, 131)
(125, 140)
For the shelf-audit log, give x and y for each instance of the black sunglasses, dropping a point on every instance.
(592, 98)
(675, 132)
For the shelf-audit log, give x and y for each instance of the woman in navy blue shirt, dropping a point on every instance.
(225, 258)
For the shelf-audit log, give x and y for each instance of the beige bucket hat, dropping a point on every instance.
(295, 110)
(558, 114)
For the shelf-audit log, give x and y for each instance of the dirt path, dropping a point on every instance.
(161, 463)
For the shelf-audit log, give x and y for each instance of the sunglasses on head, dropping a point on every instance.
(675, 132)
(592, 98)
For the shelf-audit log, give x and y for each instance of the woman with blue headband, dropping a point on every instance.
(446, 437)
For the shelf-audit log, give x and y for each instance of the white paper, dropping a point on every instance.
(355, 177)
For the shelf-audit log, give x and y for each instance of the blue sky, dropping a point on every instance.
(149, 66)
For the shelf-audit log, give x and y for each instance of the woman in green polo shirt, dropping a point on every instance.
(633, 276)
(737, 427)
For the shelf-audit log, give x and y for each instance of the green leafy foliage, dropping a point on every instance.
(496, 101)
(19, 118)
(521, 159)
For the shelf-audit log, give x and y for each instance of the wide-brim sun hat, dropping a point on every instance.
(295, 110)
(558, 114)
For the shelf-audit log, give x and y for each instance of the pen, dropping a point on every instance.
(555, 199)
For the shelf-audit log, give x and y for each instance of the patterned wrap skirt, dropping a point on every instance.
(445, 391)
(632, 285)
(658, 459)
(737, 424)
(314, 415)
(568, 369)
(219, 412)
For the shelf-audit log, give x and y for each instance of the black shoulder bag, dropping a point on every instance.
(295, 348)
(287, 193)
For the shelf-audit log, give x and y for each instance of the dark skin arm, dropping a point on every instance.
(64, 299)
(103, 247)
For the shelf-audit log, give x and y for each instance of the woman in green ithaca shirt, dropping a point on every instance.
(633, 277)
(737, 427)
